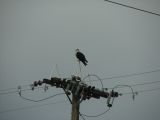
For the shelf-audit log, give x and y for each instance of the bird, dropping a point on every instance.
(81, 57)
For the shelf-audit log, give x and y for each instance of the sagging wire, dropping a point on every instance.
(142, 91)
(110, 103)
(131, 75)
(120, 86)
(82, 116)
(9, 89)
(107, 78)
(111, 96)
(97, 114)
(88, 76)
(103, 90)
(94, 75)
(30, 107)
(20, 94)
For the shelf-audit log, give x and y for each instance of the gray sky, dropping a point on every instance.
(35, 35)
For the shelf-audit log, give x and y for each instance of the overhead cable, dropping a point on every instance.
(97, 114)
(130, 75)
(131, 7)
(30, 107)
(143, 91)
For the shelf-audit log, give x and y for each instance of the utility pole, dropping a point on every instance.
(75, 108)
(80, 92)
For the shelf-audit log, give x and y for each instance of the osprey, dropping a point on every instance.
(80, 56)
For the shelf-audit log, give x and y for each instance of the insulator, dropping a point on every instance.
(112, 93)
(19, 90)
(84, 98)
(92, 89)
(104, 94)
(96, 93)
(89, 88)
(89, 91)
(133, 96)
(116, 94)
(68, 87)
(32, 87)
(58, 84)
(73, 78)
(35, 83)
(78, 78)
(64, 83)
(39, 83)
(96, 96)
(46, 80)
(45, 88)
(109, 105)
(109, 99)
(106, 89)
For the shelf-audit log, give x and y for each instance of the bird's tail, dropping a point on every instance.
(85, 63)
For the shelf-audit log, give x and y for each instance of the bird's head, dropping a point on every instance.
(77, 50)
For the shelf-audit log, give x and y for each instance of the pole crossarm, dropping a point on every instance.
(76, 87)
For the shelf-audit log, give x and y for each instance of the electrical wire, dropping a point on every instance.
(34, 106)
(145, 83)
(30, 107)
(124, 5)
(97, 114)
(132, 91)
(40, 99)
(15, 91)
(130, 75)
(82, 116)
(107, 78)
(133, 85)
(13, 88)
(142, 91)
(94, 75)
(140, 84)
(11, 92)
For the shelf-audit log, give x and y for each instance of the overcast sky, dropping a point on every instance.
(37, 35)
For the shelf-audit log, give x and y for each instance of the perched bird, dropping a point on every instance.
(81, 57)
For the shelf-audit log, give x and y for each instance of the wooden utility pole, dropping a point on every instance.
(75, 108)
(79, 91)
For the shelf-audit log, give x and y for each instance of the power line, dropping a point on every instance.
(140, 84)
(133, 85)
(9, 89)
(58, 102)
(145, 83)
(16, 91)
(124, 5)
(11, 92)
(97, 114)
(30, 107)
(107, 78)
(129, 75)
(41, 99)
(143, 91)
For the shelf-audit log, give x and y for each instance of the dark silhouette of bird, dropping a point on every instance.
(81, 57)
